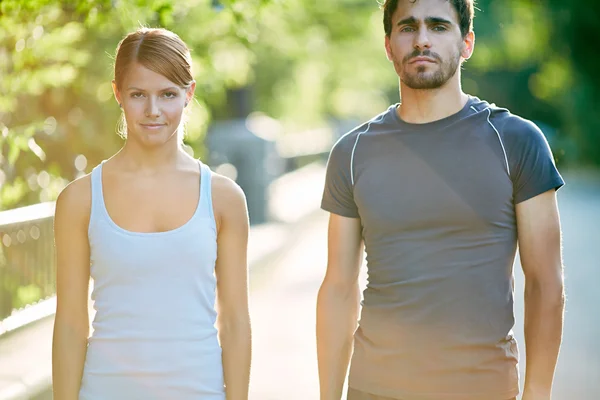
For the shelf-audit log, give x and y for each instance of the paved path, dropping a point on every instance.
(283, 305)
(284, 289)
(283, 319)
(578, 371)
(25, 353)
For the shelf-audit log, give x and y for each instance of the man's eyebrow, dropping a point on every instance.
(428, 20)
(407, 21)
(437, 20)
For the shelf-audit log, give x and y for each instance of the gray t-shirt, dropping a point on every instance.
(437, 207)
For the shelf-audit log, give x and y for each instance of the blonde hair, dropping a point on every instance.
(158, 50)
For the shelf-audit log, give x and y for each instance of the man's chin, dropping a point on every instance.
(423, 84)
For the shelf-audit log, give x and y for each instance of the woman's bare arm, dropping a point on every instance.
(233, 319)
(71, 325)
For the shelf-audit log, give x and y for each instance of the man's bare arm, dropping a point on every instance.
(337, 304)
(539, 234)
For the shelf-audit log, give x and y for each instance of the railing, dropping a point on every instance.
(27, 259)
(27, 262)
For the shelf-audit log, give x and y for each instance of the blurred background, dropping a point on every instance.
(277, 83)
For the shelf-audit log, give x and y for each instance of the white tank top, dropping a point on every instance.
(154, 334)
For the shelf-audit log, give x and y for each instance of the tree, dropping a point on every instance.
(57, 114)
(303, 62)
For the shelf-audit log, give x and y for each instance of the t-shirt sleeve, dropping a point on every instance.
(532, 167)
(338, 197)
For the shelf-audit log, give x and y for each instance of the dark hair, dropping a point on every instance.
(464, 8)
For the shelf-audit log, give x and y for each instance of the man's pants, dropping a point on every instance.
(357, 395)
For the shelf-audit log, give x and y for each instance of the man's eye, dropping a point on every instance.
(407, 29)
(439, 28)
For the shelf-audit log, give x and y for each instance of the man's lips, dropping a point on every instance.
(422, 60)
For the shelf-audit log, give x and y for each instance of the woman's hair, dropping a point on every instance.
(158, 50)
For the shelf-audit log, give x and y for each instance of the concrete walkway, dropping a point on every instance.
(284, 302)
(578, 370)
(285, 284)
(284, 364)
(26, 353)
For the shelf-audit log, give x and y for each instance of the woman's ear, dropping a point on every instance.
(189, 93)
(117, 93)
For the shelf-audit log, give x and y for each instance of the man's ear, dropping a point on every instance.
(468, 45)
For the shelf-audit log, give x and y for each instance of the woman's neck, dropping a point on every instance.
(134, 157)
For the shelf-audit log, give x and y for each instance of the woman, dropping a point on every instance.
(159, 233)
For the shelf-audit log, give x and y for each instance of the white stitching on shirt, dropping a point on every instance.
(377, 119)
(499, 138)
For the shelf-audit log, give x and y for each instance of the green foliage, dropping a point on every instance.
(27, 295)
(56, 102)
(535, 58)
(305, 62)
(320, 59)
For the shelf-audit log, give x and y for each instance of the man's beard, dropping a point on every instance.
(423, 79)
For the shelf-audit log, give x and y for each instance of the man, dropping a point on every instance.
(440, 189)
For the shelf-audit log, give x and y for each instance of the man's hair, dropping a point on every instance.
(464, 8)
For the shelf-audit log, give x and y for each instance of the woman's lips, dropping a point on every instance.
(152, 126)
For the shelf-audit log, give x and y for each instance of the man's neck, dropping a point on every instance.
(423, 106)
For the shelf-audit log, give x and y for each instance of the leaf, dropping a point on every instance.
(13, 154)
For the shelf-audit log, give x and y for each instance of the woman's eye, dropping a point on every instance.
(170, 95)
(136, 95)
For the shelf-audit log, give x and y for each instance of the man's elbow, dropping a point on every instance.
(548, 288)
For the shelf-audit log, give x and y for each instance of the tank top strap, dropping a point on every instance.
(97, 196)
(206, 204)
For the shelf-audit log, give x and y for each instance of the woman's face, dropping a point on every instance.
(152, 104)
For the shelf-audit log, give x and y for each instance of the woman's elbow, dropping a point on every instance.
(237, 326)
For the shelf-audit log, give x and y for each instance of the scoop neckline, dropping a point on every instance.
(160, 233)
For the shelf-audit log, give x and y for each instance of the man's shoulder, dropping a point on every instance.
(489, 109)
(349, 139)
(518, 134)
(509, 125)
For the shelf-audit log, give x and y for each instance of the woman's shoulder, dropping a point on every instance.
(226, 189)
(229, 200)
(76, 198)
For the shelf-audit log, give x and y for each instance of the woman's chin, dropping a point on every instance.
(152, 138)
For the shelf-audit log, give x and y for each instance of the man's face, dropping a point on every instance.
(425, 44)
